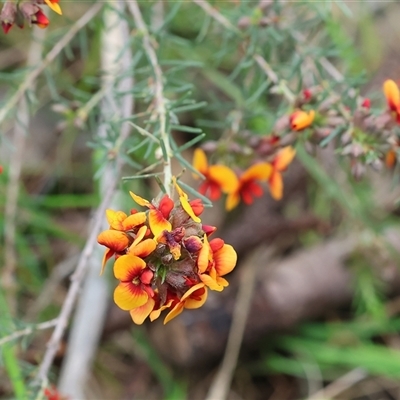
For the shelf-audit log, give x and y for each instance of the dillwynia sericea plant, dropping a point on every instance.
(164, 256)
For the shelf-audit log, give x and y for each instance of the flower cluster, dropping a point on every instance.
(243, 185)
(164, 259)
(30, 11)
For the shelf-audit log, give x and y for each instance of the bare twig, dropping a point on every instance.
(28, 331)
(160, 108)
(53, 53)
(12, 191)
(221, 384)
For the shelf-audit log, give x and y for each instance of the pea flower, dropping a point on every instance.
(300, 119)
(164, 261)
(248, 186)
(219, 178)
(279, 164)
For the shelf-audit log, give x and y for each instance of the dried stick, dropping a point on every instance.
(53, 53)
(160, 107)
(220, 387)
(12, 191)
(28, 331)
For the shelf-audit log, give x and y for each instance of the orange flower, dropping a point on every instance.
(158, 214)
(248, 187)
(53, 4)
(216, 259)
(195, 297)
(219, 178)
(279, 164)
(118, 238)
(300, 119)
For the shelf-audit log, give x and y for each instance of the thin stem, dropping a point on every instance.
(28, 331)
(160, 107)
(53, 53)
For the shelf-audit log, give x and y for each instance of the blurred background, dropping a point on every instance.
(312, 309)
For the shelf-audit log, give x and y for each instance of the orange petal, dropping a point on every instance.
(301, 119)
(115, 240)
(192, 290)
(140, 200)
(139, 314)
(204, 256)
(139, 236)
(158, 223)
(156, 313)
(200, 162)
(225, 260)
(211, 282)
(276, 185)
(115, 219)
(192, 304)
(224, 177)
(143, 249)
(107, 255)
(391, 92)
(128, 267)
(284, 158)
(128, 296)
(54, 6)
(260, 171)
(133, 221)
(178, 308)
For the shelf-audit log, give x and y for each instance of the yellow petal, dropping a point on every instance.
(114, 240)
(143, 249)
(391, 92)
(133, 221)
(232, 200)
(284, 158)
(140, 200)
(156, 313)
(192, 304)
(158, 223)
(225, 260)
(115, 219)
(54, 6)
(128, 296)
(260, 171)
(183, 198)
(275, 184)
(224, 177)
(128, 267)
(200, 162)
(178, 308)
(139, 314)
(204, 256)
(301, 119)
(211, 283)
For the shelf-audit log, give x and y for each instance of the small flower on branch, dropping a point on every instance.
(163, 258)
